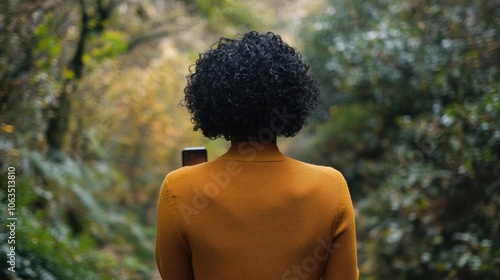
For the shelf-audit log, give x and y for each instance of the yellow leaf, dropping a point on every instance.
(7, 128)
(68, 73)
(14, 152)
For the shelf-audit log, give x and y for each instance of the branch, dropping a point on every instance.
(104, 12)
(76, 63)
(30, 7)
(145, 39)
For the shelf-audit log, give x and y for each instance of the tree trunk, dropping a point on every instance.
(59, 122)
(61, 110)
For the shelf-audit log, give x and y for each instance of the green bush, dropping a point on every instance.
(410, 115)
(66, 227)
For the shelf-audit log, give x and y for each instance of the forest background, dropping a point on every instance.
(89, 116)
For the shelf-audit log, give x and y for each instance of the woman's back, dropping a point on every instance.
(254, 213)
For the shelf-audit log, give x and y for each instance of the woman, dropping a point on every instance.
(254, 213)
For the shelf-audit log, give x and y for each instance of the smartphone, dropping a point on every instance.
(193, 155)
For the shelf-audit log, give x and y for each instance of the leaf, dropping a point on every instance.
(7, 128)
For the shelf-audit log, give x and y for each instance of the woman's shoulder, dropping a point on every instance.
(186, 172)
(325, 185)
(324, 179)
(317, 170)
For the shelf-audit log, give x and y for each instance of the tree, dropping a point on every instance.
(411, 98)
(87, 98)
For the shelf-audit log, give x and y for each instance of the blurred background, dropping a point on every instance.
(410, 108)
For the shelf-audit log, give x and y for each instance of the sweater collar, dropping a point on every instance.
(253, 152)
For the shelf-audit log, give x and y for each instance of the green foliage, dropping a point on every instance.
(221, 15)
(437, 214)
(66, 232)
(87, 211)
(410, 116)
(47, 45)
(107, 45)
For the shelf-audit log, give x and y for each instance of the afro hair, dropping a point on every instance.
(249, 87)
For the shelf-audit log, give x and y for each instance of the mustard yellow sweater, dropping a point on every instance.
(254, 213)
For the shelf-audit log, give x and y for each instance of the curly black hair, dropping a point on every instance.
(249, 87)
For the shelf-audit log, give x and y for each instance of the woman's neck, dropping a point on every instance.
(237, 139)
